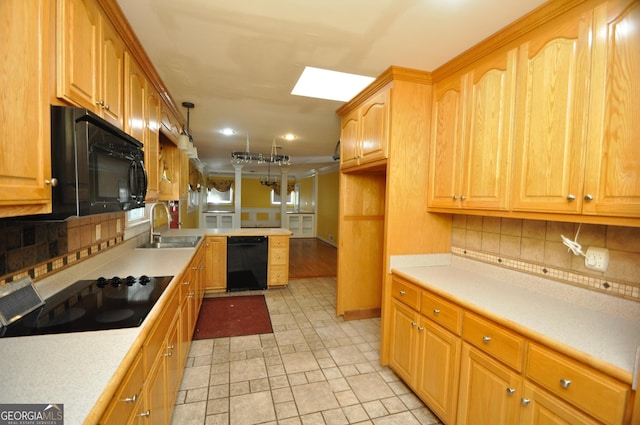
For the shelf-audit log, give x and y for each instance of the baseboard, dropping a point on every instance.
(332, 243)
(362, 314)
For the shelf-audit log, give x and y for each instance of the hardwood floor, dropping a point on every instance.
(310, 257)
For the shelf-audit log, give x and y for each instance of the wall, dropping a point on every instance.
(327, 207)
(306, 194)
(36, 248)
(535, 246)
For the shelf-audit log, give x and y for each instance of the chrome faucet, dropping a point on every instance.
(155, 236)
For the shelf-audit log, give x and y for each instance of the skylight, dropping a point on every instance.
(331, 85)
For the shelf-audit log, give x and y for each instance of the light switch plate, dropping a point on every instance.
(597, 259)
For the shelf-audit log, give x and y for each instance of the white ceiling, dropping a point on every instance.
(238, 60)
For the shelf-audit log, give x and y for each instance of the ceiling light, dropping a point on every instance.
(247, 156)
(289, 136)
(327, 84)
(228, 131)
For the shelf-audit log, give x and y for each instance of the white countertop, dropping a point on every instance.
(74, 369)
(605, 327)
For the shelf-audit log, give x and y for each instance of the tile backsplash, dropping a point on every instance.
(35, 248)
(535, 246)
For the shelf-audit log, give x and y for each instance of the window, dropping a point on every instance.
(215, 197)
(291, 200)
(135, 215)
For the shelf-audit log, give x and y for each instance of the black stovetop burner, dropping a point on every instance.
(93, 305)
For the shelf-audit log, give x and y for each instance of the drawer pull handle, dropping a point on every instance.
(486, 339)
(525, 401)
(169, 354)
(565, 383)
(131, 399)
(413, 324)
(511, 391)
(403, 292)
(436, 311)
(420, 328)
(145, 414)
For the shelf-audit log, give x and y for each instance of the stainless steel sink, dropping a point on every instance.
(172, 242)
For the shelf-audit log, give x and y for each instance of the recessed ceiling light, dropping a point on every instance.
(289, 136)
(331, 85)
(228, 131)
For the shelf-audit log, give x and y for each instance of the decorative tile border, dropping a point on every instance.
(54, 265)
(619, 289)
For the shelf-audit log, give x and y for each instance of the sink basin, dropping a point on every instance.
(172, 242)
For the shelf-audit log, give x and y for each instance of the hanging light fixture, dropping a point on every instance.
(185, 140)
(246, 156)
(268, 181)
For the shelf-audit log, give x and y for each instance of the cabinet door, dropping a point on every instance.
(404, 322)
(488, 133)
(552, 106)
(489, 391)
(157, 411)
(216, 263)
(438, 369)
(374, 124)
(78, 26)
(541, 408)
(612, 185)
(173, 360)
(152, 144)
(25, 163)
(135, 99)
(111, 75)
(349, 148)
(446, 144)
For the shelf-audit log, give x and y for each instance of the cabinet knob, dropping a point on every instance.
(571, 197)
(486, 339)
(420, 328)
(168, 354)
(131, 399)
(403, 292)
(463, 198)
(53, 182)
(188, 282)
(455, 197)
(511, 391)
(106, 107)
(414, 324)
(100, 103)
(171, 347)
(145, 414)
(565, 383)
(525, 401)
(436, 311)
(588, 197)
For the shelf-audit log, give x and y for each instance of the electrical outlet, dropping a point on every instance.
(597, 259)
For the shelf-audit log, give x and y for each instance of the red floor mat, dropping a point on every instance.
(233, 316)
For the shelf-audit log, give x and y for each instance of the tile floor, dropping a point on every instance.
(314, 369)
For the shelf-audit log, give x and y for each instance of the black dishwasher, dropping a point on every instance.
(247, 258)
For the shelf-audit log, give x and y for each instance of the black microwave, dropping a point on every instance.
(98, 167)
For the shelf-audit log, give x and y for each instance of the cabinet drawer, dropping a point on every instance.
(594, 392)
(502, 344)
(442, 312)
(278, 242)
(278, 275)
(406, 293)
(153, 343)
(128, 395)
(278, 256)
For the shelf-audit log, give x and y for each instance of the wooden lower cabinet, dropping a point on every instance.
(438, 369)
(539, 408)
(216, 263)
(488, 390)
(148, 391)
(278, 266)
(470, 370)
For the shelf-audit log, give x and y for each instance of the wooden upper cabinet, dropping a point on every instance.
(90, 60)
(135, 99)
(25, 162)
(612, 181)
(78, 56)
(365, 132)
(152, 143)
(446, 144)
(552, 107)
(111, 100)
(472, 136)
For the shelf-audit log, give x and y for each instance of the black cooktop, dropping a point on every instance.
(93, 305)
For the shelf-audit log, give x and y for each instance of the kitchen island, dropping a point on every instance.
(84, 370)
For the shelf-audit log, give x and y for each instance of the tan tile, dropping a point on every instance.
(195, 377)
(510, 246)
(299, 362)
(348, 355)
(459, 221)
(314, 397)
(491, 224)
(624, 266)
(369, 387)
(623, 238)
(474, 240)
(532, 250)
(534, 229)
(511, 226)
(556, 255)
(245, 370)
(250, 409)
(458, 237)
(491, 242)
(189, 414)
